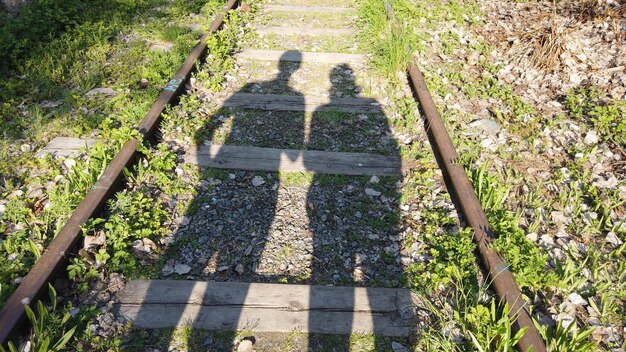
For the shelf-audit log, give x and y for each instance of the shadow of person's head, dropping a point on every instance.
(289, 62)
(342, 81)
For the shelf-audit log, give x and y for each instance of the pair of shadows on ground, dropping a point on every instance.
(316, 230)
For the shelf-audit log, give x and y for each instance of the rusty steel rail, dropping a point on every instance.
(461, 189)
(53, 259)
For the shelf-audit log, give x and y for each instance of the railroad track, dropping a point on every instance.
(272, 306)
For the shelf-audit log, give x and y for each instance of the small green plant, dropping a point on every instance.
(490, 328)
(49, 326)
(591, 106)
(566, 339)
(526, 261)
(220, 46)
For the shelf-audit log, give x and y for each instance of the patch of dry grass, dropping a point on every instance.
(545, 42)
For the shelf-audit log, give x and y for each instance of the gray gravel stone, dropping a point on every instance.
(257, 181)
(485, 125)
(577, 299)
(182, 269)
(239, 269)
(591, 138)
(371, 192)
(398, 347)
(612, 238)
(93, 242)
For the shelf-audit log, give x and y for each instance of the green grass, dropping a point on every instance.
(527, 262)
(605, 116)
(296, 179)
(450, 265)
(86, 45)
(312, 19)
(322, 43)
(390, 41)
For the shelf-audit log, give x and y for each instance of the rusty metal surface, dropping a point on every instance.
(53, 259)
(460, 187)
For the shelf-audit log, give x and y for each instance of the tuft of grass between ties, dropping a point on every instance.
(384, 35)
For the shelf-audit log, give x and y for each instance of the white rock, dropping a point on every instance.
(486, 142)
(563, 242)
(103, 91)
(92, 242)
(143, 247)
(591, 137)
(245, 346)
(546, 241)
(533, 237)
(577, 299)
(453, 333)
(26, 148)
(610, 182)
(558, 254)
(182, 269)
(580, 247)
(3, 209)
(51, 104)
(485, 125)
(213, 181)
(371, 192)
(69, 163)
(558, 218)
(374, 180)
(565, 319)
(257, 181)
(612, 238)
(16, 194)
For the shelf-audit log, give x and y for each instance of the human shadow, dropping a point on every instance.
(226, 227)
(243, 211)
(355, 224)
(346, 245)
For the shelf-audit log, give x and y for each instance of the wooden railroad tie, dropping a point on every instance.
(269, 307)
(299, 103)
(295, 56)
(293, 160)
(308, 9)
(305, 31)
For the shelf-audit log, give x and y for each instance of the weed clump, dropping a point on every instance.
(389, 40)
(606, 116)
